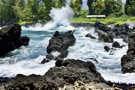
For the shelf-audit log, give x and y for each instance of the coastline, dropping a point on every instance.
(124, 85)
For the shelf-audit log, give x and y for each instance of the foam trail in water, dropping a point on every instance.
(60, 17)
(28, 59)
(108, 65)
(26, 68)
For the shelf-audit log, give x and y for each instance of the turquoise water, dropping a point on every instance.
(26, 60)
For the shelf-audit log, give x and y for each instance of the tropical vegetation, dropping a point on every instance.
(32, 11)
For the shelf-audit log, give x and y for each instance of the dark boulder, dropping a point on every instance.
(32, 82)
(59, 43)
(10, 38)
(116, 45)
(116, 31)
(48, 58)
(68, 71)
(107, 48)
(103, 36)
(71, 70)
(102, 26)
(90, 36)
(128, 61)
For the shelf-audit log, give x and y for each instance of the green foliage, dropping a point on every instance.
(76, 6)
(89, 3)
(12, 11)
(108, 20)
(98, 7)
(130, 7)
(7, 14)
(60, 3)
(112, 6)
(106, 7)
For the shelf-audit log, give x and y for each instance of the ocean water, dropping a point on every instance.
(26, 60)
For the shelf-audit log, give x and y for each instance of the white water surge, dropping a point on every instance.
(26, 60)
(60, 18)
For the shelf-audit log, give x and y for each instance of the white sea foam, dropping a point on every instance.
(60, 18)
(55, 54)
(26, 68)
(85, 48)
(26, 60)
(108, 65)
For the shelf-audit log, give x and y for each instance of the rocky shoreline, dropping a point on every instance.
(10, 38)
(73, 74)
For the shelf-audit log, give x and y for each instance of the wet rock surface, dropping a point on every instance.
(116, 45)
(32, 82)
(65, 72)
(71, 70)
(10, 38)
(107, 48)
(116, 31)
(128, 61)
(90, 36)
(59, 44)
(72, 74)
(66, 75)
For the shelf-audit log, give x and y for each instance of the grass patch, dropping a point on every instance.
(24, 22)
(108, 20)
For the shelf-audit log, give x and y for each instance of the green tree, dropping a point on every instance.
(112, 6)
(98, 7)
(76, 6)
(130, 7)
(49, 4)
(18, 7)
(89, 3)
(7, 14)
(60, 3)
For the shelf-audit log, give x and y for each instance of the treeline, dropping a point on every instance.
(130, 7)
(12, 11)
(108, 7)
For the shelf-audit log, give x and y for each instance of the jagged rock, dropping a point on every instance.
(103, 36)
(60, 43)
(10, 38)
(68, 71)
(32, 82)
(90, 36)
(102, 26)
(116, 31)
(128, 61)
(107, 48)
(48, 58)
(71, 70)
(116, 45)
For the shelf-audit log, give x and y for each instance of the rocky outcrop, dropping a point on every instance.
(128, 61)
(59, 44)
(107, 48)
(105, 37)
(116, 31)
(71, 70)
(32, 82)
(66, 75)
(66, 72)
(116, 45)
(10, 38)
(90, 36)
